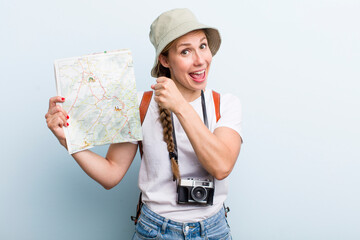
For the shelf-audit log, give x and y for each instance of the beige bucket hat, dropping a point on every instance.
(175, 23)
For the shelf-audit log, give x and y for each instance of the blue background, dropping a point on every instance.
(293, 64)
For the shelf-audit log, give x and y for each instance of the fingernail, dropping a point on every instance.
(67, 124)
(62, 99)
(67, 116)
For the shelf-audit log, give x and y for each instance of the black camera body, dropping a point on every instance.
(196, 191)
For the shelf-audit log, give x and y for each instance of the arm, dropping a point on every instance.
(107, 171)
(218, 151)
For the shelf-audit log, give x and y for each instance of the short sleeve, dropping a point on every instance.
(231, 113)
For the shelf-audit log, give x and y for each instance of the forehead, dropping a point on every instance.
(193, 37)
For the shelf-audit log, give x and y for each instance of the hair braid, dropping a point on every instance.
(165, 118)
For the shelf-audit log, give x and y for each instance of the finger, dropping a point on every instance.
(56, 109)
(55, 123)
(54, 100)
(160, 86)
(157, 86)
(161, 79)
(156, 98)
(59, 119)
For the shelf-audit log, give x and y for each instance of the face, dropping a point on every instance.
(189, 60)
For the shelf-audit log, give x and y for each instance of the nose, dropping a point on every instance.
(199, 58)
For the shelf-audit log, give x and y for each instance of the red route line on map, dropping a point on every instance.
(94, 94)
(82, 79)
(121, 102)
(95, 121)
(77, 94)
(96, 78)
(99, 100)
(119, 130)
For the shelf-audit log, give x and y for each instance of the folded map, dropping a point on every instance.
(100, 99)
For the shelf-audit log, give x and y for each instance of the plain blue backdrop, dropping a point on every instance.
(293, 64)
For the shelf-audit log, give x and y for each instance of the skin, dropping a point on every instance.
(217, 152)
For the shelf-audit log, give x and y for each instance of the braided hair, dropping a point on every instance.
(165, 118)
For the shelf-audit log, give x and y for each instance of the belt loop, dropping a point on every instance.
(163, 228)
(202, 229)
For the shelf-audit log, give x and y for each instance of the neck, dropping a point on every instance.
(189, 94)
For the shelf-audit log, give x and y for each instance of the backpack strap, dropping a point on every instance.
(138, 210)
(144, 106)
(216, 97)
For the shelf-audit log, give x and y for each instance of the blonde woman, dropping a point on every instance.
(191, 141)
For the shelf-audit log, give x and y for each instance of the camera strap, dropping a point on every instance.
(203, 105)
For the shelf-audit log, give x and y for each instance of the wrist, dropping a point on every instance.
(63, 143)
(181, 108)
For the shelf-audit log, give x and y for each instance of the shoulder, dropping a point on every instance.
(227, 99)
(231, 112)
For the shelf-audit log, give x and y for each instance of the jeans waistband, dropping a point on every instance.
(164, 223)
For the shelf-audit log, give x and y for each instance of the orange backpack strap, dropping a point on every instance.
(144, 105)
(216, 97)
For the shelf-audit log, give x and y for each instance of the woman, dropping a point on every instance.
(183, 141)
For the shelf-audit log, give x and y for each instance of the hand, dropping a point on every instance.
(56, 117)
(167, 95)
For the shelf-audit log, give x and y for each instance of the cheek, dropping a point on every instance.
(209, 57)
(181, 67)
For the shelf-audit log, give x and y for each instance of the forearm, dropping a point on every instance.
(213, 153)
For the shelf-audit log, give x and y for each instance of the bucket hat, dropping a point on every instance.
(175, 23)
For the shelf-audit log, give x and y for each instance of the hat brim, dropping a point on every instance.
(213, 35)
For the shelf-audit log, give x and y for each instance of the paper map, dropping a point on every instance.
(100, 99)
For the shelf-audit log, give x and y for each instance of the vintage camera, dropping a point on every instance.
(196, 191)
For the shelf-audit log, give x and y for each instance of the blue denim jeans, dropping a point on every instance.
(153, 226)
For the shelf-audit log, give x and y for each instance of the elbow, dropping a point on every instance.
(108, 187)
(221, 174)
(224, 168)
(111, 180)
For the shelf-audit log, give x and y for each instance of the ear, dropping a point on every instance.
(164, 61)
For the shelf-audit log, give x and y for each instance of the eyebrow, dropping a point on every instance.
(188, 44)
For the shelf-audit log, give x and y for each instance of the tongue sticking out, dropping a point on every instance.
(198, 77)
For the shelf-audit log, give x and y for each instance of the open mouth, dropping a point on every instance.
(199, 76)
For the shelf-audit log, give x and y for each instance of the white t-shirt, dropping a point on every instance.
(155, 176)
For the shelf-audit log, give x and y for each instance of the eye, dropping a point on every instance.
(185, 52)
(203, 46)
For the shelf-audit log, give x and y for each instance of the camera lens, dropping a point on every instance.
(199, 194)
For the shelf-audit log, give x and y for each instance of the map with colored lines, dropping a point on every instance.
(100, 99)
